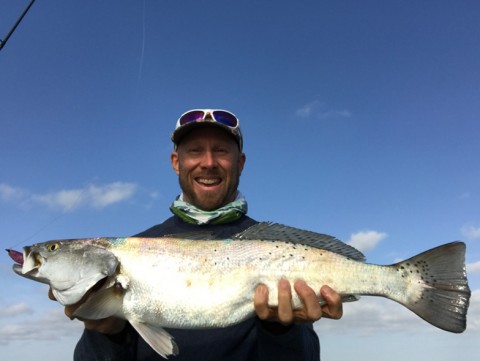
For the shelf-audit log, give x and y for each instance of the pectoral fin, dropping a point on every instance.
(158, 339)
(102, 304)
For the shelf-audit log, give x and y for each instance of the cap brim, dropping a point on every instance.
(182, 131)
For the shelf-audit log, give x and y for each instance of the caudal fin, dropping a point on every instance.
(445, 294)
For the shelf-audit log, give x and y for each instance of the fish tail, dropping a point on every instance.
(443, 295)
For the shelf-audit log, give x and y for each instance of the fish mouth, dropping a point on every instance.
(29, 268)
(32, 260)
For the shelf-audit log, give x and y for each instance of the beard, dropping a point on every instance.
(210, 200)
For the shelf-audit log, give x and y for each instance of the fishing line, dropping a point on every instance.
(50, 222)
(3, 42)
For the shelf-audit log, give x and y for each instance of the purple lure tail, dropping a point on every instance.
(16, 256)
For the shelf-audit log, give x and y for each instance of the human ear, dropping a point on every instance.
(241, 162)
(174, 161)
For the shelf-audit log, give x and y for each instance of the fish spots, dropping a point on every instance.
(420, 270)
(188, 283)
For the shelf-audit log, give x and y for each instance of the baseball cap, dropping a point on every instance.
(207, 117)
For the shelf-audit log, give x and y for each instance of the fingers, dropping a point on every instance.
(311, 311)
(282, 313)
(50, 295)
(333, 308)
(285, 311)
(260, 302)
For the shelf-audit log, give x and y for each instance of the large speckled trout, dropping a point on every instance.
(195, 281)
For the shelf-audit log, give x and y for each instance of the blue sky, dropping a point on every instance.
(361, 120)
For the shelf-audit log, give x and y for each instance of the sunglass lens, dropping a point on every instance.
(225, 118)
(193, 116)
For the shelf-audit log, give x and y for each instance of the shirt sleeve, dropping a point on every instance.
(300, 342)
(96, 346)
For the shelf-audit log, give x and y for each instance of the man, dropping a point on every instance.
(208, 161)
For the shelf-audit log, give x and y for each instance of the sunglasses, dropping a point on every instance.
(219, 116)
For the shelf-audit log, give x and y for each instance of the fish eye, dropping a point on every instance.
(53, 247)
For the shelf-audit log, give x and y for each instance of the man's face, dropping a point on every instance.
(208, 164)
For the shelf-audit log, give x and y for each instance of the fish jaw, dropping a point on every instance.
(29, 266)
(18, 269)
(32, 260)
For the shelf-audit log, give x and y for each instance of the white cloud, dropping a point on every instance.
(10, 194)
(473, 267)
(473, 322)
(64, 199)
(51, 326)
(71, 199)
(111, 193)
(15, 310)
(307, 110)
(365, 241)
(471, 232)
(317, 109)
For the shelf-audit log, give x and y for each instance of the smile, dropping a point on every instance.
(208, 181)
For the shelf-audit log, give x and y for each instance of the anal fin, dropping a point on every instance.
(158, 339)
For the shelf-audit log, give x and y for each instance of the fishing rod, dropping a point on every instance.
(3, 42)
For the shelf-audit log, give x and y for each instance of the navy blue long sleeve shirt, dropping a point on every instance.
(246, 341)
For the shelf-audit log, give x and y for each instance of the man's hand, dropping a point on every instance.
(310, 312)
(109, 325)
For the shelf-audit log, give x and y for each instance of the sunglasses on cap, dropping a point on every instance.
(199, 115)
(219, 117)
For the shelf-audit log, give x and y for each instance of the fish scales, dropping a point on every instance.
(206, 279)
(197, 281)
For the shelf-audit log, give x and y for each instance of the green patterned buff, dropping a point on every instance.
(228, 213)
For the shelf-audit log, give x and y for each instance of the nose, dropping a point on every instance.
(209, 160)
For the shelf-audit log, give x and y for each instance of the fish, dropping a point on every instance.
(197, 281)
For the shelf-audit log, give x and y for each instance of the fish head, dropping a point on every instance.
(70, 267)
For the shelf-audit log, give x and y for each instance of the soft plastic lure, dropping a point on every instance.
(16, 256)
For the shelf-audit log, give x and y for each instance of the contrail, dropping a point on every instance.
(142, 52)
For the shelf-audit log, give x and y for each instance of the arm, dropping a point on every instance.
(287, 334)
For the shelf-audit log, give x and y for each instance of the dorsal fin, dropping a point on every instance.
(277, 232)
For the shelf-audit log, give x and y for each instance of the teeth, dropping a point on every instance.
(208, 181)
